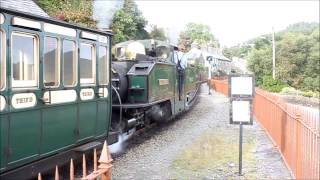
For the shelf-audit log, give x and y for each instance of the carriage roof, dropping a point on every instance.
(53, 21)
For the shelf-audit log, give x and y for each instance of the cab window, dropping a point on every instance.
(24, 53)
(69, 63)
(103, 66)
(87, 64)
(51, 62)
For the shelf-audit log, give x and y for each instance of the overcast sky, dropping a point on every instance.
(232, 22)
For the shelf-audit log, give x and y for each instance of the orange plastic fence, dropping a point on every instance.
(294, 130)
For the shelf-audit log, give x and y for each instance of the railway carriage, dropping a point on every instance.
(55, 92)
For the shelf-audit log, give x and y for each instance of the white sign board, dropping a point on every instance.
(242, 85)
(61, 96)
(2, 103)
(24, 100)
(241, 111)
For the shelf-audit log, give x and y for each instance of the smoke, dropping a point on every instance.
(120, 146)
(103, 11)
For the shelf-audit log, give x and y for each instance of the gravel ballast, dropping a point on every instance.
(199, 144)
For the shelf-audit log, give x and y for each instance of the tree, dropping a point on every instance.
(73, 11)
(260, 62)
(128, 23)
(157, 33)
(297, 57)
(311, 74)
(240, 51)
(302, 27)
(198, 33)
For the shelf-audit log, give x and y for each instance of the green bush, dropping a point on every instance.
(290, 91)
(269, 84)
(295, 92)
(307, 93)
(311, 83)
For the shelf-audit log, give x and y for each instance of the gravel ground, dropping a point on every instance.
(199, 145)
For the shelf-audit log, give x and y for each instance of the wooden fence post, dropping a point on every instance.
(105, 162)
(298, 146)
(71, 170)
(84, 166)
(56, 175)
(39, 176)
(95, 168)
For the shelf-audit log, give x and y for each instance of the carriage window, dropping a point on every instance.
(69, 63)
(24, 60)
(103, 66)
(51, 62)
(2, 61)
(87, 64)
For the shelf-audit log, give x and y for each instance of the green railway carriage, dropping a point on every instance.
(55, 91)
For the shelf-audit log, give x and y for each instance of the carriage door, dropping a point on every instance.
(25, 116)
(87, 104)
(59, 92)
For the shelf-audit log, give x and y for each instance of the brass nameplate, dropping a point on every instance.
(163, 82)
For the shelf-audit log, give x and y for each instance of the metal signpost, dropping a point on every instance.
(241, 92)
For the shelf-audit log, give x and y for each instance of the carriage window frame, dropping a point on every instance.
(108, 65)
(3, 64)
(92, 80)
(75, 61)
(26, 83)
(58, 58)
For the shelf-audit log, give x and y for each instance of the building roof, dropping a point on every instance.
(217, 56)
(26, 6)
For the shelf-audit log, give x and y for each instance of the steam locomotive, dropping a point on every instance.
(153, 81)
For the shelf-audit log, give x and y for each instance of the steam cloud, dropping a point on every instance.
(103, 11)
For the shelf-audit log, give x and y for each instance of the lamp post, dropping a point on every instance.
(209, 59)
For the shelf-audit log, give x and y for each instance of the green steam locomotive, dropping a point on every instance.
(153, 82)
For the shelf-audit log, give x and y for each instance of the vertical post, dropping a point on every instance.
(39, 176)
(240, 149)
(84, 166)
(298, 146)
(95, 162)
(71, 170)
(273, 56)
(56, 175)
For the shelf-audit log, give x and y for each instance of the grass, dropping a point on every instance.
(211, 153)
